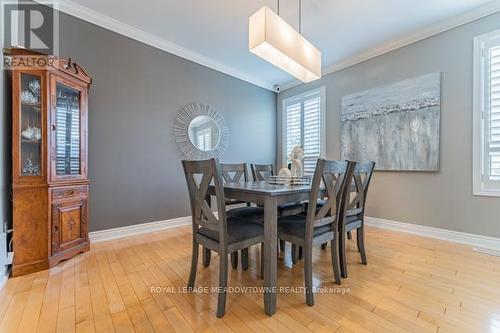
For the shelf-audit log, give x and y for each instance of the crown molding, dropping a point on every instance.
(109, 23)
(71, 8)
(449, 24)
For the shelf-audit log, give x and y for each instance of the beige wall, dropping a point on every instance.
(443, 199)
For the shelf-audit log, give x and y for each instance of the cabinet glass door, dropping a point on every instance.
(30, 125)
(67, 131)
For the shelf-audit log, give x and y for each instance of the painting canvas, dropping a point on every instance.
(397, 125)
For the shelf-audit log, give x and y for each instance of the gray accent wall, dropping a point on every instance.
(134, 166)
(442, 199)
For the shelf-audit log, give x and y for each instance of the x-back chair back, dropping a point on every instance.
(359, 188)
(261, 172)
(334, 175)
(201, 212)
(234, 173)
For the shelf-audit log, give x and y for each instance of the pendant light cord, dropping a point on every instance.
(300, 14)
(300, 17)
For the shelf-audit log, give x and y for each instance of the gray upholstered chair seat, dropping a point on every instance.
(319, 204)
(295, 225)
(293, 208)
(247, 212)
(352, 222)
(237, 231)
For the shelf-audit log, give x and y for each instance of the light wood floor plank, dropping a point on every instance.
(14, 312)
(33, 307)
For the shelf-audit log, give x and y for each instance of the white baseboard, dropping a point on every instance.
(443, 234)
(137, 229)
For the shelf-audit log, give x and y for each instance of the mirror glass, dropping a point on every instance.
(204, 133)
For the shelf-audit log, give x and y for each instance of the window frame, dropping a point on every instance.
(322, 110)
(481, 187)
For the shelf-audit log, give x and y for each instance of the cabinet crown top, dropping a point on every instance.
(24, 59)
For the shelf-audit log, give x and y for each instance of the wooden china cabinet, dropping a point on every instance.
(49, 159)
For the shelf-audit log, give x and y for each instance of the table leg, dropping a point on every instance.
(270, 251)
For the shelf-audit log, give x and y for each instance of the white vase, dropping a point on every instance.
(297, 170)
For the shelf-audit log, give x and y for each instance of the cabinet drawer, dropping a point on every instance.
(69, 192)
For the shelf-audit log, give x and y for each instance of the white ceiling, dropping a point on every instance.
(215, 32)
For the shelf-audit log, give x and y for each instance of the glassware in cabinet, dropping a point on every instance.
(30, 125)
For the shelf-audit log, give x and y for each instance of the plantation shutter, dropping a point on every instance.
(293, 126)
(492, 116)
(312, 141)
(303, 128)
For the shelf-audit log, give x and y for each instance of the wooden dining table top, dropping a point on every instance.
(264, 187)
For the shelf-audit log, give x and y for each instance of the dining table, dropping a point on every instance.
(268, 196)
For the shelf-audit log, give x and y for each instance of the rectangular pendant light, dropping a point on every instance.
(274, 40)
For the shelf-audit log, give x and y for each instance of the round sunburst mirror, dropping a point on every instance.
(200, 132)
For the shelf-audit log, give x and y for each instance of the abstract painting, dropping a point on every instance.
(397, 125)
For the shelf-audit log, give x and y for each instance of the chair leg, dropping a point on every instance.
(261, 260)
(206, 257)
(335, 259)
(349, 235)
(244, 259)
(301, 255)
(221, 302)
(308, 274)
(295, 254)
(323, 246)
(282, 245)
(342, 255)
(234, 260)
(360, 237)
(194, 265)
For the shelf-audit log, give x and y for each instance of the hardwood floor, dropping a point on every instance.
(411, 283)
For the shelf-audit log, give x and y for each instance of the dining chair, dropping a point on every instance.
(355, 212)
(237, 173)
(223, 234)
(263, 172)
(319, 226)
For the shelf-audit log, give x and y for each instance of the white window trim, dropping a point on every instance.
(478, 155)
(322, 110)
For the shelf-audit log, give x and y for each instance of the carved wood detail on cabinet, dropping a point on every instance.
(49, 160)
(69, 222)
